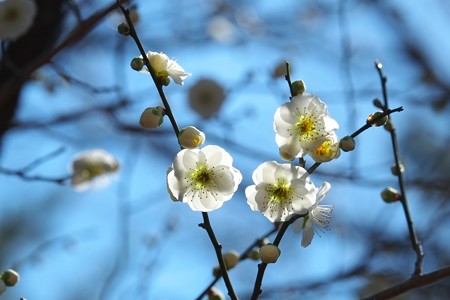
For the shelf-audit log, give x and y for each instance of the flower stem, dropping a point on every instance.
(415, 242)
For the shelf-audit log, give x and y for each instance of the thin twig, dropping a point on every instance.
(415, 242)
(218, 248)
(412, 283)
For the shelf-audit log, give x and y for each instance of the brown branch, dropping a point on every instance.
(412, 283)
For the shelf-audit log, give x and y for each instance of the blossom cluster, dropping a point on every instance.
(205, 178)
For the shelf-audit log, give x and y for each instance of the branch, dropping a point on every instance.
(415, 242)
(412, 283)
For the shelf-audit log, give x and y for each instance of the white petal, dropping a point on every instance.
(250, 194)
(308, 234)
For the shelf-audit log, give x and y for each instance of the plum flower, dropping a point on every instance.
(318, 218)
(165, 67)
(203, 178)
(280, 191)
(92, 167)
(206, 97)
(302, 125)
(16, 18)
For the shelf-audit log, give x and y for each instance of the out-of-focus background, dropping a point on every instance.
(128, 240)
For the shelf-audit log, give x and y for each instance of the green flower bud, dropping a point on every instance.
(231, 259)
(152, 117)
(390, 195)
(253, 254)
(137, 63)
(379, 122)
(123, 29)
(347, 143)
(389, 126)
(10, 277)
(165, 80)
(298, 87)
(397, 170)
(377, 103)
(269, 253)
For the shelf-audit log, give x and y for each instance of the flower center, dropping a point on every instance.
(305, 125)
(201, 177)
(279, 192)
(324, 149)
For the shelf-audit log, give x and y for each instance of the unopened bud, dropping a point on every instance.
(253, 254)
(397, 170)
(215, 294)
(298, 87)
(347, 143)
(377, 103)
(123, 29)
(231, 259)
(390, 195)
(152, 117)
(379, 121)
(165, 80)
(10, 277)
(216, 271)
(389, 126)
(137, 63)
(269, 253)
(191, 138)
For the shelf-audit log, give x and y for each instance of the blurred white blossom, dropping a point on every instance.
(165, 67)
(16, 18)
(203, 178)
(280, 191)
(206, 97)
(302, 125)
(318, 218)
(90, 168)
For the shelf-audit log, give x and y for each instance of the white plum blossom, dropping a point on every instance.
(280, 191)
(16, 18)
(165, 67)
(203, 178)
(318, 218)
(302, 125)
(90, 168)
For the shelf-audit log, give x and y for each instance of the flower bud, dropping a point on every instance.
(2, 287)
(137, 63)
(269, 253)
(123, 29)
(216, 271)
(347, 143)
(215, 294)
(10, 277)
(152, 117)
(191, 138)
(389, 126)
(390, 195)
(253, 254)
(298, 87)
(379, 122)
(377, 103)
(397, 170)
(165, 80)
(287, 152)
(231, 259)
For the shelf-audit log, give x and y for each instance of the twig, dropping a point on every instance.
(412, 283)
(415, 242)
(242, 256)
(218, 248)
(257, 290)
